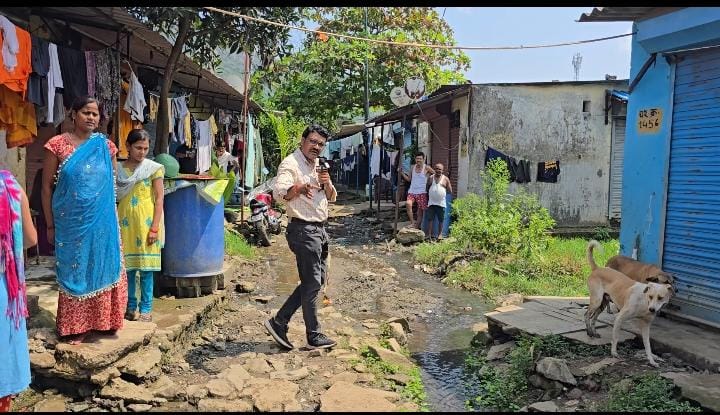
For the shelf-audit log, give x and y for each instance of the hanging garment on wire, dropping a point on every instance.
(91, 69)
(135, 102)
(55, 80)
(74, 74)
(548, 171)
(107, 81)
(37, 84)
(204, 156)
(17, 117)
(17, 78)
(375, 160)
(153, 105)
(10, 44)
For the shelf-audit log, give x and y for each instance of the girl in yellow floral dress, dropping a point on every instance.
(140, 192)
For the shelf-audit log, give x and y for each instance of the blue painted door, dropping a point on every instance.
(691, 248)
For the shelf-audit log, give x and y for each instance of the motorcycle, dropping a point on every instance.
(263, 220)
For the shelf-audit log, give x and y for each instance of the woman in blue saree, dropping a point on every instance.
(82, 223)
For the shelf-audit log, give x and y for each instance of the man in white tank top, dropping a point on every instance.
(438, 187)
(417, 193)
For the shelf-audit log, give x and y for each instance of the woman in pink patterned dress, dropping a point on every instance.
(79, 204)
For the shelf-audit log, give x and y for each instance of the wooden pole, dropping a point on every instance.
(245, 142)
(398, 176)
(380, 164)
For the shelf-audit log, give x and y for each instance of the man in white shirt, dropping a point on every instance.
(306, 193)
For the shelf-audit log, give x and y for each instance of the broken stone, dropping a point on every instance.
(53, 404)
(222, 405)
(360, 368)
(196, 392)
(547, 406)
(510, 299)
(365, 378)
(555, 369)
(399, 378)
(394, 345)
(258, 365)
(346, 397)
(236, 375)
(141, 363)
(108, 350)
(575, 393)
(139, 407)
(103, 377)
(500, 351)
(371, 325)
(701, 388)
(119, 389)
(398, 333)
(316, 352)
(263, 299)
(292, 375)
(42, 360)
(273, 395)
(164, 387)
(389, 356)
(573, 402)
(219, 346)
(348, 377)
(220, 388)
(402, 321)
(408, 235)
(590, 385)
(595, 368)
(482, 335)
(245, 287)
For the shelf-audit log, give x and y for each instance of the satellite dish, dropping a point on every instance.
(399, 97)
(415, 88)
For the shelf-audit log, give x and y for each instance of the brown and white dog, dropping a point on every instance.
(633, 299)
(639, 271)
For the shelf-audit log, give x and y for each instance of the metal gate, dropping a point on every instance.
(616, 167)
(691, 248)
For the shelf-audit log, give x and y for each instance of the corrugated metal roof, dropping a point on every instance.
(103, 24)
(623, 14)
(415, 108)
(622, 95)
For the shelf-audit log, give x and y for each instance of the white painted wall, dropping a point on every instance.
(542, 123)
(13, 160)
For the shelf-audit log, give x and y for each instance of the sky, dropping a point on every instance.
(511, 26)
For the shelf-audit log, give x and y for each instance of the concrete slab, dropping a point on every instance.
(701, 388)
(605, 336)
(542, 318)
(699, 346)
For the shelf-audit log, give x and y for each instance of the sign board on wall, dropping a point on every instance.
(649, 120)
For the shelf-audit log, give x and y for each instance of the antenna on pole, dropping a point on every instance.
(577, 62)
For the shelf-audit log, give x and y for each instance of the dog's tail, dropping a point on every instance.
(591, 245)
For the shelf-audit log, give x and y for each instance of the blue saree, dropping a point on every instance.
(87, 237)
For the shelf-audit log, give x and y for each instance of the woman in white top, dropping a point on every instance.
(418, 188)
(440, 186)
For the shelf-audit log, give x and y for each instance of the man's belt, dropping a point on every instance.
(305, 222)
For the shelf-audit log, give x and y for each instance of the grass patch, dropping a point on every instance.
(236, 245)
(414, 390)
(560, 269)
(645, 393)
(433, 253)
(509, 390)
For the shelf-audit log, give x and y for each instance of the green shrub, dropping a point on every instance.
(498, 222)
(646, 393)
(237, 245)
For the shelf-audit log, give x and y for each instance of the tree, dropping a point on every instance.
(325, 80)
(202, 33)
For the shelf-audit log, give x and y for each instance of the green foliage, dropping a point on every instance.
(602, 233)
(324, 81)
(414, 390)
(237, 245)
(217, 173)
(498, 222)
(434, 253)
(646, 393)
(211, 31)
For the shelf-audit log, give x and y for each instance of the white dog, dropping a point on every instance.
(633, 300)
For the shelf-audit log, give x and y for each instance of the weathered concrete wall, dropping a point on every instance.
(543, 123)
(462, 104)
(14, 161)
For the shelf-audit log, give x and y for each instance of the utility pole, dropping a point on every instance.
(368, 138)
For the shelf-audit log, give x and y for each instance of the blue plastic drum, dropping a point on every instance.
(194, 235)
